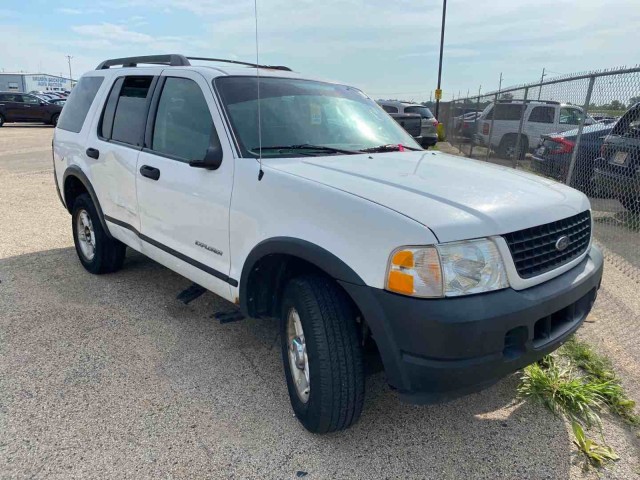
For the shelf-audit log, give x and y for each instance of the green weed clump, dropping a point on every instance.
(596, 454)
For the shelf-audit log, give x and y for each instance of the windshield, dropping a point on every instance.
(423, 111)
(304, 112)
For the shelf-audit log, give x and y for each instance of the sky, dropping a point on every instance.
(388, 48)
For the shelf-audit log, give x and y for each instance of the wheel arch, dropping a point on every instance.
(275, 260)
(74, 183)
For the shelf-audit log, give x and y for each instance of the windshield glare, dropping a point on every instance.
(303, 112)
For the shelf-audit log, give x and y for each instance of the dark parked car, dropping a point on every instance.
(411, 122)
(553, 155)
(617, 170)
(23, 107)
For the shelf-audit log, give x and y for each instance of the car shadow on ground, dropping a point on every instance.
(26, 125)
(115, 367)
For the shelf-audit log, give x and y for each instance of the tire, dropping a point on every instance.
(1, 120)
(54, 120)
(631, 203)
(507, 147)
(332, 354)
(96, 251)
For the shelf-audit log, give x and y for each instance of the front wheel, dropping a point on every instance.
(1, 120)
(321, 353)
(54, 120)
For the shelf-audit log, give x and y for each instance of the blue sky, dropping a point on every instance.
(389, 48)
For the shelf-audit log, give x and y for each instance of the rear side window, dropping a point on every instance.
(389, 109)
(131, 110)
(183, 125)
(505, 111)
(628, 125)
(78, 104)
(424, 112)
(542, 115)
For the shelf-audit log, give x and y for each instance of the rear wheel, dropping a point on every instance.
(321, 353)
(507, 147)
(97, 252)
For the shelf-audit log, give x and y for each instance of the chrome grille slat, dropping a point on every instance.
(533, 249)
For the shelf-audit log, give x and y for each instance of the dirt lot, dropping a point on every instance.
(112, 377)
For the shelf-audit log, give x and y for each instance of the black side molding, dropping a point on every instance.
(175, 253)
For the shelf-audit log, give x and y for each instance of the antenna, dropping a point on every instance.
(260, 172)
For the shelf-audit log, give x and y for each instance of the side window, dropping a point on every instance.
(183, 124)
(542, 115)
(389, 109)
(78, 104)
(508, 111)
(30, 100)
(130, 114)
(570, 116)
(629, 124)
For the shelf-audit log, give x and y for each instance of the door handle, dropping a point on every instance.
(93, 153)
(150, 172)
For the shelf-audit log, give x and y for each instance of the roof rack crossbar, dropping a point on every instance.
(172, 60)
(237, 62)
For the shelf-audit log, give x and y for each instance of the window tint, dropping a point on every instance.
(183, 123)
(506, 111)
(78, 103)
(30, 100)
(131, 110)
(629, 124)
(423, 111)
(542, 115)
(389, 109)
(570, 116)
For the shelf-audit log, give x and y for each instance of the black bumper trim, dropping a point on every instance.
(435, 349)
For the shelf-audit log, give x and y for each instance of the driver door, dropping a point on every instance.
(184, 210)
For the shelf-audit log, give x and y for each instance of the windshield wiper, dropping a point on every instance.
(390, 147)
(306, 146)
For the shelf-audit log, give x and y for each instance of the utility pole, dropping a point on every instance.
(69, 57)
(500, 84)
(541, 80)
(439, 91)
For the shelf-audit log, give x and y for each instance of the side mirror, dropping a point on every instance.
(213, 157)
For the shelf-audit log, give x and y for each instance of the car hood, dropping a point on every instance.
(457, 198)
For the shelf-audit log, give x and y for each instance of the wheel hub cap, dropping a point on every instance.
(86, 235)
(298, 359)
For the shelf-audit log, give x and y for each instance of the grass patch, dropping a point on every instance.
(579, 395)
(599, 371)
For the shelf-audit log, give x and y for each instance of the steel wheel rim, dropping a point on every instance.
(85, 235)
(298, 359)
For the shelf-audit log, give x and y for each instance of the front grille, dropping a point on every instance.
(534, 249)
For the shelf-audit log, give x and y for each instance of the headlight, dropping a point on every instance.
(449, 269)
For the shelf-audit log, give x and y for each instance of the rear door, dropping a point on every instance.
(11, 104)
(113, 149)
(184, 210)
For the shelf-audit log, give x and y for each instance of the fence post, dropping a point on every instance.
(475, 127)
(523, 110)
(493, 115)
(574, 154)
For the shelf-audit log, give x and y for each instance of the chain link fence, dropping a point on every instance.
(582, 130)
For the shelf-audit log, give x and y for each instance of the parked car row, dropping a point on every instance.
(25, 107)
(429, 124)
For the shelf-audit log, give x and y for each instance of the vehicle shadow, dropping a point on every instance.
(26, 125)
(133, 373)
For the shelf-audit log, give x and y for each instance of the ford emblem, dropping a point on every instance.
(562, 243)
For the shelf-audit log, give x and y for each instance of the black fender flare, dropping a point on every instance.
(75, 171)
(310, 252)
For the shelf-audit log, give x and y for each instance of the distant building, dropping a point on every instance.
(28, 82)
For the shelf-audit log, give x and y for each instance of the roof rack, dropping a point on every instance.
(172, 60)
(175, 60)
(519, 100)
(255, 65)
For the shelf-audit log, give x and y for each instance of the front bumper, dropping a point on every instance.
(437, 349)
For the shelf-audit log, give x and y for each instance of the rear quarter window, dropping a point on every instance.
(78, 104)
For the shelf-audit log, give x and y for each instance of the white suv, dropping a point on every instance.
(540, 118)
(304, 201)
(429, 130)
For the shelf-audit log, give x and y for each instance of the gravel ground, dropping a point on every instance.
(112, 377)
